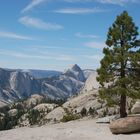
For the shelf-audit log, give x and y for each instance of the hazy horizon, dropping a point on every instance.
(67, 67)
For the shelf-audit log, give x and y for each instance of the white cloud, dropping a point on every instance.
(79, 10)
(12, 35)
(97, 45)
(33, 4)
(117, 2)
(58, 57)
(73, 1)
(38, 23)
(81, 35)
(65, 57)
(96, 57)
(114, 2)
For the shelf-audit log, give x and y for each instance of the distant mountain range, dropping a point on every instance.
(20, 84)
(38, 73)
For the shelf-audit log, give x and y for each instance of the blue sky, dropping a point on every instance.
(53, 34)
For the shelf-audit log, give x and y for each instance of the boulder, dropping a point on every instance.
(108, 119)
(2, 121)
(24, 121)
(136, 108)
(33, 101)
(2, 104)
(56, 115)
(45, 107)
(12, 112)
(126, 125)
(102, 112)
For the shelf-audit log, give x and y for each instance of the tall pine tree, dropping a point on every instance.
(119, 74)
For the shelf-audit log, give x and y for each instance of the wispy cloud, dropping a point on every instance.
(32, 4)
(114, 2)
(65, 57)
(12, 35)
(38, 23)
(35, 3)
(96, 57)
(96, 45)
(81, 1)
(79, 10)
(58, 57)
(81, 35)
(117, 2)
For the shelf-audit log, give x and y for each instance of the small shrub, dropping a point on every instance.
(91, 111)
(58, 102)
(55, 120)
(104, 113)
(34, 116)
(69, 116)
(10, 122)
(83, 112)
(4, 109)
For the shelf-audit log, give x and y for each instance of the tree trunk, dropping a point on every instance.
(123, 106)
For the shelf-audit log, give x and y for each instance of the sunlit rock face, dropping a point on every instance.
(75, 72)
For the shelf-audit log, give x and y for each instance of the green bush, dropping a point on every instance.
(34, 116)
(59, 102)
(91, 111)
(69, 116)
(104, 113)
(9, 122)
(4, 109)
(83, 112)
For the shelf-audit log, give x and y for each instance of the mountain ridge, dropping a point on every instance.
(19, 84)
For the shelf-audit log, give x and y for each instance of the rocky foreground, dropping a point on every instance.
(74, 130)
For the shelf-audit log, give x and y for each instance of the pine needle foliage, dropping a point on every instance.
(119, 74)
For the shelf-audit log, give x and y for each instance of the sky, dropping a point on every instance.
(54, 34)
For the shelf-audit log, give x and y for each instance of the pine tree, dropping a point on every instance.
(119, 74)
